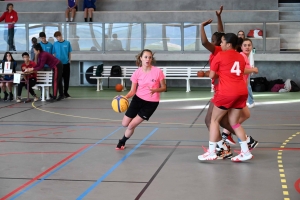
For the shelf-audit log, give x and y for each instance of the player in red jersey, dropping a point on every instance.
(231, 97)
(214, 47)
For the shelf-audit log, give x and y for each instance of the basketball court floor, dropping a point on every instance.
(66, 150)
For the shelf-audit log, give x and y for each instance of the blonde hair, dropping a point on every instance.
(138, 60)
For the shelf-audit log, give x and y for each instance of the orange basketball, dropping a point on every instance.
(119, 88)
(207, 73)
(200, 73)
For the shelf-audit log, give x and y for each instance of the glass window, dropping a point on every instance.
(192, 39)
(85, 37)
(122, 37)
(19, 37)
(165, 37)
(49, 29)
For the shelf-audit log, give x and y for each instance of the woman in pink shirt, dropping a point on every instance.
(147, 84)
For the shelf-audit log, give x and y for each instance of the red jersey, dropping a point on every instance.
(9, 17)
(212, 55)
(30, 65)
(230, 66)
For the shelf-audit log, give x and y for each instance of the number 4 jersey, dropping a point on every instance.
(230, 66)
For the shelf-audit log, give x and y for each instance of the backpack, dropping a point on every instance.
(115, 71)
(99, 70)
(295, 87)
(259, 84)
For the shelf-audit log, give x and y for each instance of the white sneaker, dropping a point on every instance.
(18, 99)
(242, 157)
(251, 105)
(35, 88)
(208, 156)
(36, 99)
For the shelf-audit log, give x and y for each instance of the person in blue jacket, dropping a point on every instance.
(88, 8)
(9, 78)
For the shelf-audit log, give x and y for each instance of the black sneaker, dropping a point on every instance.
(67, 95)
(5, 96)
(51, 100)
(252, 144)
(120, 145)
(60, 98)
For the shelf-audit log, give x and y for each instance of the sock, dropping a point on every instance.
(212, 146)
(124, 139)
(85, 19)
(71, 19)
(67, 19)
(244, 147)
(221, 144)
(91, 19)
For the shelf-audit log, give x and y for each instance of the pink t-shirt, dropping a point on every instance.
(148, 80)
(246, 66)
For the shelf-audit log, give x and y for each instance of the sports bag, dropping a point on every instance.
(99, 70)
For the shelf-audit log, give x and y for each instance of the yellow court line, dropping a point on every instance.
(281, 169)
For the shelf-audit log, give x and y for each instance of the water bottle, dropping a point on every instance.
(253, 50)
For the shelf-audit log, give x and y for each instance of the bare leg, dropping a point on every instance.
(216, 117)
(131, 124)
(85, 12)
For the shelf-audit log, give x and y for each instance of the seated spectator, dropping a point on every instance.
(93, 48)
(88, 8)
(31, 78)
(75, 43)
(9, 78)
(115, 44)
(33, 42)
(72, 8)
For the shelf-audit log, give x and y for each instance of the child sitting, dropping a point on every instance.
(31, 78)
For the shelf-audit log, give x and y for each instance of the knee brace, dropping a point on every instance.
(236, 126)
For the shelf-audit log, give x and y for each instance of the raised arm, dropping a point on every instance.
(209, 46)
(220, 23)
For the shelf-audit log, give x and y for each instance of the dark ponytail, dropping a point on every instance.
(38, 47)
(232, 39)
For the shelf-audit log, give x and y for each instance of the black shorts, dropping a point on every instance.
(141, 107)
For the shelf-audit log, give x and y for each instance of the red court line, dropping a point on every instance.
(28, 131)
(22, 153)
(43, 173)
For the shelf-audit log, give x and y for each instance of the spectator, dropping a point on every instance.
(11, 17)
(13, 64)
(31, 78)
(250, 100)
(45, 58)
(88, 8)
(48, 47)
(62, 50)
(72, 8)
(115, 44)
(107, 43)
(93, 48)
(33, 42)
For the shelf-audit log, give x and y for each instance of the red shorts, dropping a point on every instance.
(228, 102)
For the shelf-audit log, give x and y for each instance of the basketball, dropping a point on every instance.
(207, 73)
(200, 73)
(119, 87)
(119, 104)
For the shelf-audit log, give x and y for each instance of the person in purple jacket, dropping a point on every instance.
(72, 8)
(89, 7)
(45, 58)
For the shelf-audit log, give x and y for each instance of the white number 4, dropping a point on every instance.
(236, 68)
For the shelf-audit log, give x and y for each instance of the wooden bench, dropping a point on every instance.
(44, 82)
(179, 73)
